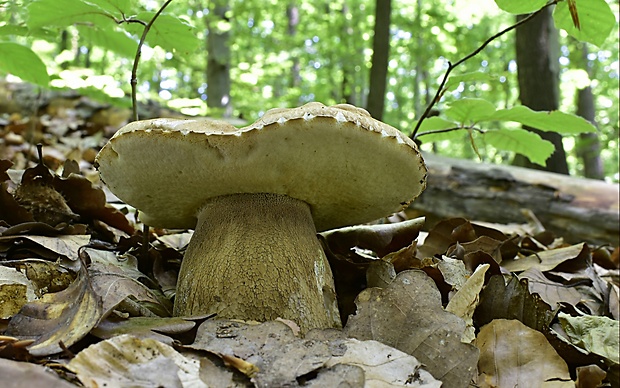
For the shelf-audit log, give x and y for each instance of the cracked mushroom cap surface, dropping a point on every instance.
(349, 167)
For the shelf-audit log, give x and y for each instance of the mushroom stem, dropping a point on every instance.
(257, 257)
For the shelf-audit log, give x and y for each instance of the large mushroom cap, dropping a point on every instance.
(349, 167)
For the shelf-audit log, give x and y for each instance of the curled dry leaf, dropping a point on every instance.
(409, 316)
(381, 239)
(464, 302)
(513, 355)
(62, 317)
(127, 361)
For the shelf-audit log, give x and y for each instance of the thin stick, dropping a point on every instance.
(134, 70)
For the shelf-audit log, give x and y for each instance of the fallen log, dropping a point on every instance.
(576, 209)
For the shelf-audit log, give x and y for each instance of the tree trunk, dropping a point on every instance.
(218, 59)
(538, 73)
(292, 15)
(380, 55)
(589, 147)
(576, 209)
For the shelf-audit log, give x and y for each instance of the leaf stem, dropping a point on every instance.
(134, 70)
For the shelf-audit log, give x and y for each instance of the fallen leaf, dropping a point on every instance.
(280, 357)
(598, 335)
(464, 302)
(381, 239)
(553, 293)
(127, 361)
(578, 254)
(384, 366)
(22, 374)
(589, 376)
(155, 328)
(512, 300)
(513, 355)
(408, 315)
(15, 291)
(65, 316)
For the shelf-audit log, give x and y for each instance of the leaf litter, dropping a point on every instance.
(86, 298)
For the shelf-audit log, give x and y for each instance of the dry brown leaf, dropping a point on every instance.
(547, 260)
(551, 292)
(512, 300)
(409, 316)
(589, 376)
(65, 316)
(381, 239)
(513, 355)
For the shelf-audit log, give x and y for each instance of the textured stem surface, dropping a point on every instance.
(256, 257)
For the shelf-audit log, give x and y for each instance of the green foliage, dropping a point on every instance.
(23, 63)
(520, 7)
(595, 17)
(475, 112)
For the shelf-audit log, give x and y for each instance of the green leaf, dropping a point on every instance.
(63, 13)
(470, 110)
(111, 39)
(596, 19)
(21, 61)
(598, 335)
(556, 121)
(523, 142)
(168, 32)
(520, 6)
(476, 76)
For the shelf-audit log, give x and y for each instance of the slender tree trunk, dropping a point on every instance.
(380, 55)
(419, 73)
(589, 146)
(538, 73)
(218, 59)
(292, 14)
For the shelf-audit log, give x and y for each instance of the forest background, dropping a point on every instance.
(236, 59)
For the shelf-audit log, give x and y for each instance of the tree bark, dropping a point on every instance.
(538, 73)
(380, 55)
(588, 146)
(218, 59)
(576, 209)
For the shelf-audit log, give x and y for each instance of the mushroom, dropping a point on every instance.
(256, 197)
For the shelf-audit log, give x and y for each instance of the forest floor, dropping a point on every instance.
(86, 299)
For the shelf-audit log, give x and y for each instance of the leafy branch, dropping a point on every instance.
(451, 66)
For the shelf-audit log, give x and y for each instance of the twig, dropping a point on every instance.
(469, 56)
(134, 70)
(434, 131)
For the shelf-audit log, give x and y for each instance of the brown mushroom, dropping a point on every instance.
(256, 197)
